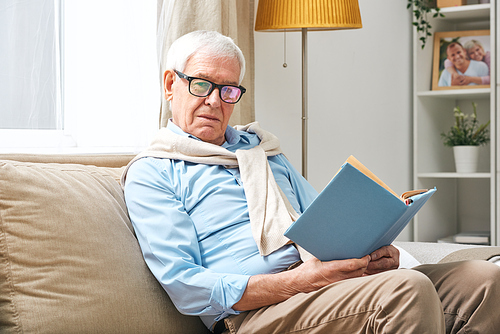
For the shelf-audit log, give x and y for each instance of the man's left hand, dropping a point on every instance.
(383, 259)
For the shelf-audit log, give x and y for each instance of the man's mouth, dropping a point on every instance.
(209, 117)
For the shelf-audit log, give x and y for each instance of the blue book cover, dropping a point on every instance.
(353, 216)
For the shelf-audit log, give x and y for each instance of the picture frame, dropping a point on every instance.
(445, 47)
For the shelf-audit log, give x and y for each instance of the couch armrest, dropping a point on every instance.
(427, 252)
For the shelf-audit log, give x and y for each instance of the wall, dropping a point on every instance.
(359, 95)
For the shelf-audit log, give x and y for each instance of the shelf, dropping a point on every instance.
(465, 201)
(466, 13)
(453, 175)
(457, 93)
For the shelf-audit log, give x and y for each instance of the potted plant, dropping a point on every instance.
(465, 136)
(421, 8)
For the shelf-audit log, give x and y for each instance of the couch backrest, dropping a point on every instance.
(99, 160)
(69, 260)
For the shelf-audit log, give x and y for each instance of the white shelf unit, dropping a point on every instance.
(463, 202)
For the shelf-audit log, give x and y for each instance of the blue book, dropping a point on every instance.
(354, 215)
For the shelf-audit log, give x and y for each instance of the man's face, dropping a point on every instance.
(456, 54)
(203, 117)
(476, 53)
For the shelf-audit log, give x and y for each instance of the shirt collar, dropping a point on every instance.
(233, 136)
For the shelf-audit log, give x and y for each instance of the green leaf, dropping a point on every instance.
(420, 9)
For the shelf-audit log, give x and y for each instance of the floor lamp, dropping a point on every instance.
(304, 15)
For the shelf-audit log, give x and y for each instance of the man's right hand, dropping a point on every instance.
(312, 275)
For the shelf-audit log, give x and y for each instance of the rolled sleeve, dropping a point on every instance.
(226, 292)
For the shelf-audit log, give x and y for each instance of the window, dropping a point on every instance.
(78, 75)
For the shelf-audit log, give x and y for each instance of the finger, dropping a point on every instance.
(386, 251)
(384, 263)
(354, 269)
(348, 268)
(375, 268)
(379, 253)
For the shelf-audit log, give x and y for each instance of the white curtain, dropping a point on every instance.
(229, 17)
(30, 64)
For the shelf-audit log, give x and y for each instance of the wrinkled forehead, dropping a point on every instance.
(214, 67)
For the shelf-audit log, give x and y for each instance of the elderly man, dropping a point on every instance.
(468, 72)
(209, 203)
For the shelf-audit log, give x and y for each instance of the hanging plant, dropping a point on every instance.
(421, 9)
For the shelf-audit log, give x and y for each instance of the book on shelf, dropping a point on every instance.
(354, 215)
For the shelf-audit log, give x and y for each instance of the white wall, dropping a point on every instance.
(359, 95)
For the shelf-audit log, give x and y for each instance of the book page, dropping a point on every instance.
(412, 193)
(353, 161)
(359, 166)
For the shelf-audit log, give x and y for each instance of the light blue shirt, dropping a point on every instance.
(193, 227)
(475, 69)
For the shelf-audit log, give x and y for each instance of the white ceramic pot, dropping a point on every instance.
(466, 158)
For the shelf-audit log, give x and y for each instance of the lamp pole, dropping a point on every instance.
(304, 102)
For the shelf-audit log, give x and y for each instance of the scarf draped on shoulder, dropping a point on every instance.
(270, 211)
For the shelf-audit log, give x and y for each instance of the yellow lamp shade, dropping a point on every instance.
(311, 14)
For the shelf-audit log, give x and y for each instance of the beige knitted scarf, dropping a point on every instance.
(270, 211)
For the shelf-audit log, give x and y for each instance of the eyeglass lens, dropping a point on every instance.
(201, 88)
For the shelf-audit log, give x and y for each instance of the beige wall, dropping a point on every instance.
(359, 95)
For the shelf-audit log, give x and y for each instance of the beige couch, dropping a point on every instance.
(69, 260)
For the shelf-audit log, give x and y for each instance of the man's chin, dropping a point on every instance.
(211, 135)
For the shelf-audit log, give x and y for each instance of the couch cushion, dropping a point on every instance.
(69, 261)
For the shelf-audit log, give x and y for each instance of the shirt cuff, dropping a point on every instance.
(226, 292)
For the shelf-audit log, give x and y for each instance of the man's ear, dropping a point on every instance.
(168, 81)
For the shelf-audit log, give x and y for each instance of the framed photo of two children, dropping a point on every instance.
(461, 60)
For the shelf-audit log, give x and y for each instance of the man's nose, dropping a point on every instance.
(213, 99)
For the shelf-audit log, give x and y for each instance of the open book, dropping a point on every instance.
(354, 215)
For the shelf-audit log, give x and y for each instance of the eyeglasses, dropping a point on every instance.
(202, 88)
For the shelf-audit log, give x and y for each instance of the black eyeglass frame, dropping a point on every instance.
(214, 85)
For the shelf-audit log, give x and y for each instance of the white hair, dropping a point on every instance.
(211, 42)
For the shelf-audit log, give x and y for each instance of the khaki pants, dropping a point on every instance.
(459, 297)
